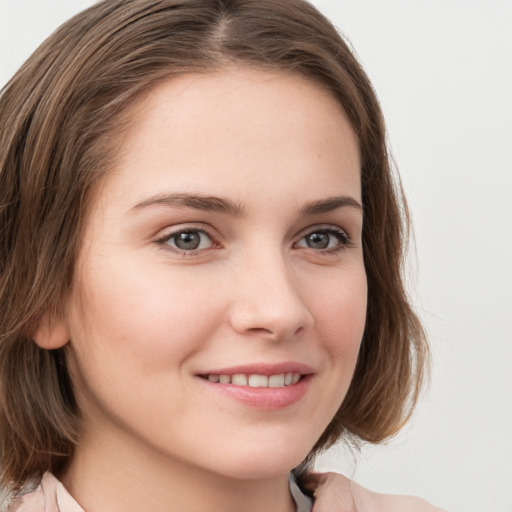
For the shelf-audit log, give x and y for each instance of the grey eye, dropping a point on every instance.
(322, 239)
(190, 240)
(318, 240)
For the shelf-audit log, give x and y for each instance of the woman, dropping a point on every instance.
(201, 250)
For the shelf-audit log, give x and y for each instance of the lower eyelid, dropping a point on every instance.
(167, 237)
(344, 239)
(342, 236)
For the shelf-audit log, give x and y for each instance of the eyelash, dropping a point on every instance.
(164, 241)
(343, 238)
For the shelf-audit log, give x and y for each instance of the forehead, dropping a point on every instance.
(211, 130)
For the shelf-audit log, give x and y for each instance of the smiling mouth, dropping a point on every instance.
(254, 380)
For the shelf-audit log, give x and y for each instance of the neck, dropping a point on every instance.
(106, 475)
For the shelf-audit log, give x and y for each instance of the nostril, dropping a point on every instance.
(264, 332)
(274, 316)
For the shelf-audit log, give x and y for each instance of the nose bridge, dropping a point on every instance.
(268, 300)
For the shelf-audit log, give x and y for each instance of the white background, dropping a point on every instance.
(443, 72)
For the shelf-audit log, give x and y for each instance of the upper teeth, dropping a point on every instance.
(255, 380)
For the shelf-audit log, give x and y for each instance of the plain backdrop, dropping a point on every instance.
(443, 72)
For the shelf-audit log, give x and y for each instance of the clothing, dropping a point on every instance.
(304, 503)
(336, 493)
(51, 496)
(333, 493)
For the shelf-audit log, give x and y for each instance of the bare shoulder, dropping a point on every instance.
(337, 493)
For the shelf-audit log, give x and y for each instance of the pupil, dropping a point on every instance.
(318, 240)
(188, 241)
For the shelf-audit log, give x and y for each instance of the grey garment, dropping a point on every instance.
(304, 503)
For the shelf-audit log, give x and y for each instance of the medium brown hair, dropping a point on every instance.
(59, 120)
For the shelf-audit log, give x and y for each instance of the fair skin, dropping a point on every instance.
(176, 291)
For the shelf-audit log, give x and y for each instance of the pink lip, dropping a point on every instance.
(263, 369)
(263, 398)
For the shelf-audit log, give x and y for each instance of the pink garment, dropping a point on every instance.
(336, 493)
(333, 493)
(49, 496)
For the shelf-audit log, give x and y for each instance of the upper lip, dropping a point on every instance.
(262, 369)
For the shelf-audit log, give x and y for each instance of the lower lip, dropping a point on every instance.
(264, 398)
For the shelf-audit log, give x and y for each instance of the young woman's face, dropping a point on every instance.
(221, 292)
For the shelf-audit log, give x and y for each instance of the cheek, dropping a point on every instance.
(342, 312)
(141, 320)
(340, 318)
(131, 336)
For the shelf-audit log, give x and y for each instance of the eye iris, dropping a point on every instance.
(318, 240)
(187, 240)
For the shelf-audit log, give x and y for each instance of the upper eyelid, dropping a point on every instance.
(323, 227)
(346, 241)
(216, 237)
(167, 235)
(182, 227)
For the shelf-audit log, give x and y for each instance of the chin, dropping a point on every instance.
(263, 463)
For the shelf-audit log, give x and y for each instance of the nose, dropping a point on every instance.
(268, 302)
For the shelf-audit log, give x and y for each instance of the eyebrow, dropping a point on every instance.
(329, 204)
(195, 201)
(229, 207)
